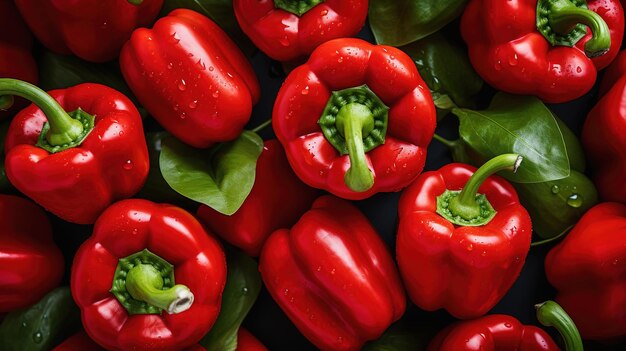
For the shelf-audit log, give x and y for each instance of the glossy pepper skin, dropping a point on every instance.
(78, 183)
(30, 262)
(602, 138)
(511, 54)
(465, 269)
(356, 119)
(16, 43)
(504, 333)
(81, 342)
(277, 200)
(333, 276)
(155, 319)
(90, 29)
(291, 30)
(588, 269)
(191, 77)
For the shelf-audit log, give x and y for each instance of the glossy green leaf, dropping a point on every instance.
(220, 177)
(41, 326)
(575, 151)
(243, 285)
(555, 206)
(447, 71)
(221, 12)
(400, 22)
(522, 125)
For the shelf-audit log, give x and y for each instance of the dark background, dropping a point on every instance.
(271, 325)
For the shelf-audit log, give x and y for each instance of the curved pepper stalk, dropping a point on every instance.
(551, 314)
(355, 122)
(63, 130)
(564, 22)
(467, 207)
(144, 284)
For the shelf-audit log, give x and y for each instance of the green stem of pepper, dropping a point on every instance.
(354, 119)
(144, 283)
(551, 314)
(64, 129)
(262, 126)
(563, 19)
(467, 207)
(135, 2)
(465, 204)
(549, 240)
(449, 143)
(557, 20)
(297, 7)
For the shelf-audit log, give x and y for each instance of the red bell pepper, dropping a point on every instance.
(93, 30)
(603, 135)
(356, 119)
(504, 333)
(191, 77)
(81, 342)
(462, 250)
(30, 263)
(149, 278)
(287, 30)
(542, 48)
(333, 276)
(75, 164)
(247, 342)
(16, 43)
(277, 200)
(588, 268)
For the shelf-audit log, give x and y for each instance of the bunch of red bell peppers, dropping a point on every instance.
(352, 120)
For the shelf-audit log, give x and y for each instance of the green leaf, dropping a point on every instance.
(41, 326)
(220, 177)
(555, 206)
(447, 71)
(517, 124)
(400, 22)
(221, 12)
(243, 285)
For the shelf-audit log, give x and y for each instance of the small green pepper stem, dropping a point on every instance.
(563, 19)
(262, 126)
(448, 143)
(135, 2)
(465, 205)
(551, 314)
(63, 128)
(297, 7)
(144, 283)
(356, 120)
(564, 15)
